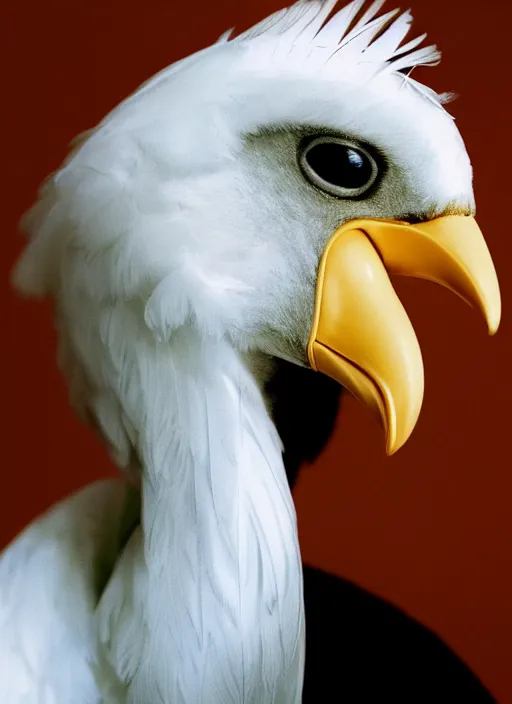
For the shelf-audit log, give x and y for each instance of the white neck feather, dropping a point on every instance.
(218, 589)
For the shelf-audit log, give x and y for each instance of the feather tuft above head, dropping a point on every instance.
(351, 42)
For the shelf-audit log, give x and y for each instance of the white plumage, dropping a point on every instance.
(180, 244)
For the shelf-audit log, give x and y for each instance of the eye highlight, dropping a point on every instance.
(338, 167)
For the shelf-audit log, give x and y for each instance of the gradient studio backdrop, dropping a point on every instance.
(429, 529)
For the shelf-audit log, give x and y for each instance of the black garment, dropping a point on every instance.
(359, 648)
(362, 650)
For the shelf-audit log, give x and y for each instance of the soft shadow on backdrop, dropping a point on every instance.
(430, 528)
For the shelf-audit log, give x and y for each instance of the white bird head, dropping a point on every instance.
(210, 198)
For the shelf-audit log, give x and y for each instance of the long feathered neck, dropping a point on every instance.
(223, 611)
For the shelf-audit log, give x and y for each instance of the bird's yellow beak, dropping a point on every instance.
(361, 335)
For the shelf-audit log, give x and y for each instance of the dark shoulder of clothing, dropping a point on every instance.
(362, 649)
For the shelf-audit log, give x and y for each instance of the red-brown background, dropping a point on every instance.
(430, 528)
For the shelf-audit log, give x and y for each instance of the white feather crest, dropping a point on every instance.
(304, 35)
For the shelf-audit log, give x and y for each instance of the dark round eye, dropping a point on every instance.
(338, 167)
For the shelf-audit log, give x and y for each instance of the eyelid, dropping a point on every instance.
(326, 139)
